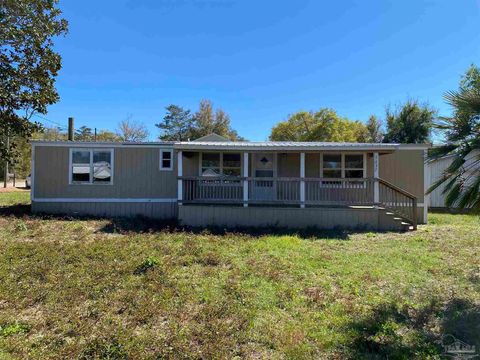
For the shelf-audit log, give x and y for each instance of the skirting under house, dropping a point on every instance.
(360, 218)
(154, 210)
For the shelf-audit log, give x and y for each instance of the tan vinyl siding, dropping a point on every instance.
(404, 168)
(288, 165)
(312, 165)
(136, 174)
(191, 163)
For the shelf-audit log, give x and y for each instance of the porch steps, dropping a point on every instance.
(401, 222)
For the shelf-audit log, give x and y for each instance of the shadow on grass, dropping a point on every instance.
(147, 225)
(16, 210)
(391, 332)
(454, 211)
(140, 224)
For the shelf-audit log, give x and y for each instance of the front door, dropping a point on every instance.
(264, 166)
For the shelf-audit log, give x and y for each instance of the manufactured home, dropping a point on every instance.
(216, 182)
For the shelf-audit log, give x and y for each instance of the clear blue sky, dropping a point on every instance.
(259, 60)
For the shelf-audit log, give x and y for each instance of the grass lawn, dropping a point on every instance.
(118, 289)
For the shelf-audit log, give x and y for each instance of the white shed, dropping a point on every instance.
(436, 169)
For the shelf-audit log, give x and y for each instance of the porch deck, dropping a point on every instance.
(300, 192)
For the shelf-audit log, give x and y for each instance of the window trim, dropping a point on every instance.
(200, 161)
(363, 168)
(161, 167)
(91, 151)
(342, 173)
(342, 164)
(342, 167)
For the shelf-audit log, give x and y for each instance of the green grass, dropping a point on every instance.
(14, 198)
(95, 288)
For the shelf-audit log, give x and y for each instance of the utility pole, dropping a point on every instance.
(5, 180)
(95, 136)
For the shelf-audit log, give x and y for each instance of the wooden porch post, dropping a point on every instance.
(302, 181)
(180, 174)
(245, 180)
(376, 175)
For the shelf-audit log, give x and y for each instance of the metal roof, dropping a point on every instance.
(244, 145)
(291, 145)
(76, 143)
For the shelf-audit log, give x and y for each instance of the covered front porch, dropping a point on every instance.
(269, 178)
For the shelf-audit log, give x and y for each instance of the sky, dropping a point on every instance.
(258, 60)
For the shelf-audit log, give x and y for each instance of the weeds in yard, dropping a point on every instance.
(12, 329)
(117, 288)
(148, 264)
(109, 349)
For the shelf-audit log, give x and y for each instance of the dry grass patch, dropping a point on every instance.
(123, 289)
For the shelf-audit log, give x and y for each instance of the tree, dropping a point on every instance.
(471, 79)
(374, 128)
(84, 133)
(28, 67)
(410, 123)
(207, 121)
(53, 134)
(129, 130)
(177, 124)
(105, 135)
(323, 125)
(24, 150)
(462, 133)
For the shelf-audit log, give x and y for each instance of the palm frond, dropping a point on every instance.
(453, 195)
(450, 184)
(440, 151)
(445, 177)
(470, 196)
(468, 100)
(456, 165)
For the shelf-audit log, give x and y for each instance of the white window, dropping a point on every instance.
(210, 164)
(166, 159)
(343, 166)
(332, 166)
(354, 166)
(216, 164)
(231, 164)
(91, 166)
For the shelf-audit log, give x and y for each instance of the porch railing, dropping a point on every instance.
(398, 201)
(287, 191)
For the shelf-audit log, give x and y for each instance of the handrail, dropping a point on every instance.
(400, 190)
(237, 178)
(400, 207)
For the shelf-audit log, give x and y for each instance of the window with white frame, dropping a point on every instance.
(91, 166)
(349, 166)
(332, 166)
(354, 166)
(216, 164)
(166, 159)
(211, 164)
(231, 164)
